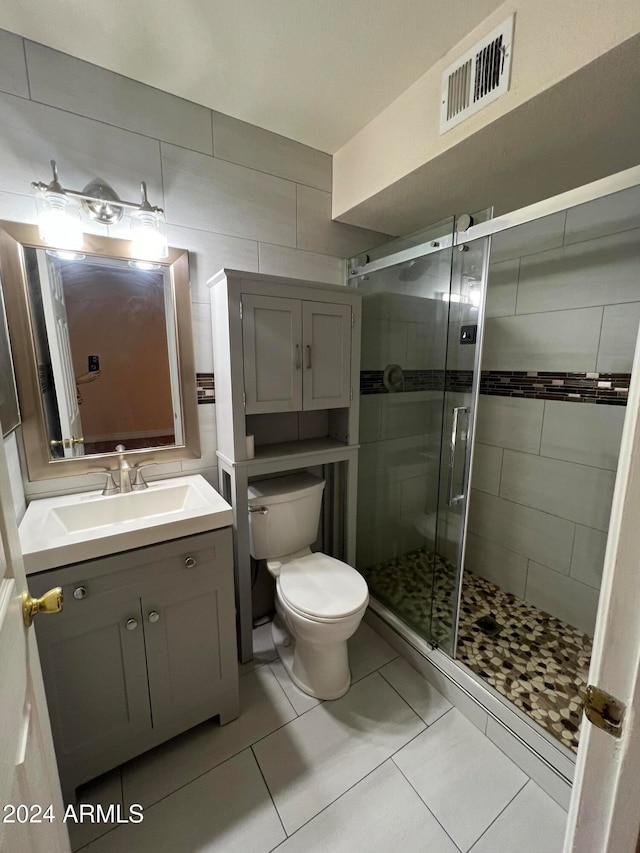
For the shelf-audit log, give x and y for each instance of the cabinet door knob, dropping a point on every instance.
(154, 616)
(190, 562)
(308, 357)
(131, 624)
(80, 592)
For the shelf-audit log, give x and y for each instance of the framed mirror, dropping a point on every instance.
(103, 353)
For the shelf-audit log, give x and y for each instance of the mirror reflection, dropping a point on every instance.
(105, 339)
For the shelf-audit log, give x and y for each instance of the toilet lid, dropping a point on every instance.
(322, 587)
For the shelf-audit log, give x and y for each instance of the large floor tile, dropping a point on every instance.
(319, 756)
(263, 649)
(530, 824)
(301, 702)
(263, 708)
(105, 791)
(462, 777)
(368, 652)
(228, 808)
(385, 808)
(416, 690)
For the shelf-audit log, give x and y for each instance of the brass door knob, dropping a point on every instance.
(50, 602)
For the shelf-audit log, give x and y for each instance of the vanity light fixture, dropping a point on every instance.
(60, 223)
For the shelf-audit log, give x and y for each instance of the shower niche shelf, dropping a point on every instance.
(287, 368)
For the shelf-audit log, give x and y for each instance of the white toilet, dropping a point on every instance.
(320, 601)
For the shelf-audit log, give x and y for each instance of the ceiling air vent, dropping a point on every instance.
(478, 77)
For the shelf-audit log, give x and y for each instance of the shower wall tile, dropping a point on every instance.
(379, 531)
(576, 492)
(213, 195)
(371, 417)
(391, 461)
(404, 415)
(81, 146)
(422, 351)
(260, 149)
(496, 564)
(574, 276)
(71, 84)
(383, 342)
(618, 337)
(280, 260)
(529, 238)
(608, 215)
(511, 422)
(563, 597)
(318, 233)
(587, 561)
(537, 535)
(556, 340)
(502, 288)
(13, 68)
(487, 466)
(586, 434)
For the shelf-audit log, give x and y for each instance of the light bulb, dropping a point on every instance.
(59, 221)
(148, 235)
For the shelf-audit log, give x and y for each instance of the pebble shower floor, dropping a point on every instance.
(533, 659)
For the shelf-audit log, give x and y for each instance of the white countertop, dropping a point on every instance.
(73, 528)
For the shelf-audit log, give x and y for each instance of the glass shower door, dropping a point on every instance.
(413, 374)
(461, 386)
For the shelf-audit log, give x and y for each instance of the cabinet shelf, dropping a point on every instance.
(291, 449)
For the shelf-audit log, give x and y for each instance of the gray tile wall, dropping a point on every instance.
(235, 195)
(563, 294)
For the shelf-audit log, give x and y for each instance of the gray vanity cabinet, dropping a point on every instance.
(144, 649)
(95, 673)
(297, 354)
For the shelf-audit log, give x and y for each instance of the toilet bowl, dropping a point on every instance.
(320, 601)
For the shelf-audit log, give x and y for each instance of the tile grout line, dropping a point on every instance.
(408, 781)
(406, 701)
(26, 66)
(519, 791)
(266, 784)
(333, 802)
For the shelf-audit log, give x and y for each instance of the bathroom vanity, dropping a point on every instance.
(287, 372)
(145, 646)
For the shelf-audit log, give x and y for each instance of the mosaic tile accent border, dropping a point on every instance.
(609, 389)
(371, 381)
(205, 387)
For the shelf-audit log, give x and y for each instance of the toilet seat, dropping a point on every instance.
(322, 588)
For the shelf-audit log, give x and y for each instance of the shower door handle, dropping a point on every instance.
(452, 499)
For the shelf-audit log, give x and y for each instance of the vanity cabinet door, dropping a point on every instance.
(272, 345)
(190, 635)
(327, 355)
(94, 667)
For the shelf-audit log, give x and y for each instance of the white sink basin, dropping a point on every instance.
(72, 528)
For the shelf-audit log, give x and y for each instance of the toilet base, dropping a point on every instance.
(319, 671)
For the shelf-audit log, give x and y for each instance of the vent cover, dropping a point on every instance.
(477, 78)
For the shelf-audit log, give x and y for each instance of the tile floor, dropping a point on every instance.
(390, 764)
(536, 661)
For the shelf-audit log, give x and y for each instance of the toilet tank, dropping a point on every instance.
(290, 523)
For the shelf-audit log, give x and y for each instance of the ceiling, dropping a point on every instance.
(584, 128)
(313, 70)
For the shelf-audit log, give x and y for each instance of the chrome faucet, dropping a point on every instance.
(124, 470)
(130, 476)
